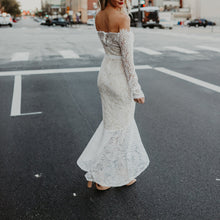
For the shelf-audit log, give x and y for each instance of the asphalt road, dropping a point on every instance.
(48, 116)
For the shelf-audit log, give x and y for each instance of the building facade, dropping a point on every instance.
(85, 9)
(204, 9)
(82, 9)
(145, 2)
(53, 7)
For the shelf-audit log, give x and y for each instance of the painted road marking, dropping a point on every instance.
(69, 54)
(147, 51)
(55, 71)
(96, 69)
(21, 56)
(181, 50)
(217, 179)
(189, 79)
(209, 48)
(16, 99)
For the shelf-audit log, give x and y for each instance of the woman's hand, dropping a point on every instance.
(140, 100)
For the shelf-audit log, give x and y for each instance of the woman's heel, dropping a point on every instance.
(89, 184)
(132, 182)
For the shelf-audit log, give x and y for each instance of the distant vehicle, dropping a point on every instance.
(46, 22)
(166, 20)
(59, 21)
(6, 20)
(186, 22)
(37, 19)
(198, 23)
(91, 21)
(166, 24)
(149, 17)
(211, 23)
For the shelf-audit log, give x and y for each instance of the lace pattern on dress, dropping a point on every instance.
(115, 154)
(126, 41)
(121, 158)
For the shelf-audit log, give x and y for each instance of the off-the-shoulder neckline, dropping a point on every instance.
(114, 32)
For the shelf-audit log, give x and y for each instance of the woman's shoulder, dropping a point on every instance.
(98, 15)
(117, 20)
(124, 22)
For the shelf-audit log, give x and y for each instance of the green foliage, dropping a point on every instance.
(10, 6)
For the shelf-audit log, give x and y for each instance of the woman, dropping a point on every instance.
(115, 154)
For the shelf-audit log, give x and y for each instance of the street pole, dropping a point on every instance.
(139, 23)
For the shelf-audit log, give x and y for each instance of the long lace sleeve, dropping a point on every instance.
(126, 40)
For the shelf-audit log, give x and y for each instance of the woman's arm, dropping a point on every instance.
(126, 45)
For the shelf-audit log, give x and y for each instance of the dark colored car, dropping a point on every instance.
(211, 23)
(198, 23)
(59, 21)
(46, 22)
(151, 24)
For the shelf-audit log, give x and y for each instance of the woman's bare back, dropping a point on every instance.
(109, 20)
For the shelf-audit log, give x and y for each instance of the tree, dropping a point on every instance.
(46, 9)
(10, 6)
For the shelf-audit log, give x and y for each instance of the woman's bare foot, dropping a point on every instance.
(99, 187)
(89, 184)
(132, 181)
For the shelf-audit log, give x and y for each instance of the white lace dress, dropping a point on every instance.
(115, 154)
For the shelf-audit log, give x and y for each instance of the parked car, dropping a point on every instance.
(151, 25)
(149, 17)
(6, 20)
(211, 23)
(46, 22)
(198, 23)
(59, 21)
(91, 21)
(166, 24)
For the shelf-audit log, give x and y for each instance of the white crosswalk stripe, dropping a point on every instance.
(69, 54)
(20, 56)
(147, 51)
(209, 48)
(189, 79)
(181, 50)
(16, 103)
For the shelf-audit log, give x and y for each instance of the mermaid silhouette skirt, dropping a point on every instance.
(115, 154)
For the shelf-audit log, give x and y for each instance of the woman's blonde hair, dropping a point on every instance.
(126, 8)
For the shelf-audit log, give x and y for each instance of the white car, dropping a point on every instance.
(6, 20)
(166, 24)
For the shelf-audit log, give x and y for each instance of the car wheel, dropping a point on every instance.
(170, 28)
(10, 25)
(204, 26)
